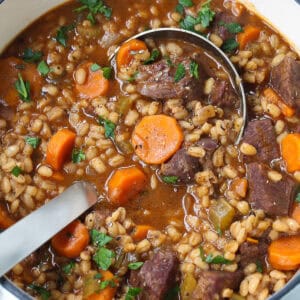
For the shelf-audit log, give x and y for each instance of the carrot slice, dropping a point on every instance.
(125, 184)
(71, 240)
(95, 84)
(290, 148)
(5, 220)
(156, 138)
(106, 294)
(126, 51)
(273, 97)
(140, 232)
(58, 176)
(251, 240)
(59, 148)
(9, 69)
(240, 186)
(296, 213)
(250, 34)
(284, 253)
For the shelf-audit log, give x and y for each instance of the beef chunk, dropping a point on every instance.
(261, 135)
(211, 283)
(251, 253)
(223, 94)
(209, 145)
(218, 25)
(181, 165)
(157, 275)
(285, 79)
(156, 81)
(275, 198)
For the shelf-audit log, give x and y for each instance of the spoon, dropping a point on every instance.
(28, 234)
(204, 43)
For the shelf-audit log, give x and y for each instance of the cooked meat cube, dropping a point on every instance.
(219, 28)
(156, 81)
(209, 145)
(157, 275)
(223, 94)
(181, 165)
(211, 283)
(261, 135)
(252, 253)
(274, 198)
(285, 79)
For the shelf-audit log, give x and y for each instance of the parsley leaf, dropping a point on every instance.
(210, 259)
(172, 293)
(43, 68)
(107, 72)
(188, 23)
(259, 266)
(67, 269)
(135, 265)
(169, 61)
(179, 8)
(230, 45)
(232, 27)
(103, 258)
(95, 67)
(206, 15)
(77, 156)
(132, 293)
(104, 284)
(23, 88)
(186, 3)
(32, 141)
(180, 72)
(170, 179)
(62, 34)
(298, 198)
(31, 56)
(45, 294)
(16, 171)
(133, 77)
(109, 127)
(98, 276)
(194, 69)
(99, 239)
(153, 57)
(94, 7)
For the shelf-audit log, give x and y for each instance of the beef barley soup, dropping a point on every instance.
(183, 212)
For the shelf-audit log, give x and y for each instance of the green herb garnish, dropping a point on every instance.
(77, 156)
(153, 57)
(62, 34)
(104, 284)
(103, 258)
(67, 269)
(45, 294)
(259, 266)
(232, 27)
(43, 68)
(99, 239)
(135, 265)
(210, 259)
(182, 4)
(194, 69)
(107, 72)
(95, 67)
(298, 198)
(109, 127)
(172, 293)
(33, 141)
(16, 171)
(230, 45)
(169, 61)
(23, 88)
(170, 179)
(132, 293)
(180, 72)
(206, 15)
(133, 77)
(31, 56)
(98, 276)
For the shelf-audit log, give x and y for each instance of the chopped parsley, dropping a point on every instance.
(32, 141)
(23, 88)
(95, 67)
(43, 68)
(169, 61)
(232, 27)
(107, 72)
(210, 259)
(172, 293)
(170, 179)
(62, 34)
(153, 57)
(98, 276)
(133, 77)
(16, 171)
(219, 231)
(45, 294)
(132, 293)
(31, 56)
(259, 266)
(77, 156)
(298, 198)
(109, 127)
(104, 284)
(180, 72)
(67, 269)
(103, 258)
(99, 239)
(135, 265)
(194, 69)
(230, 45)
(182, 4)
(94, 7)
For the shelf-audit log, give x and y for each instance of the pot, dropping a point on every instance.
(15, 15)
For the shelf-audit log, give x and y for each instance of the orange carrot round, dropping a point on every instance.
(95, 84)
(296, 213)
(59, 148)
(156, 138)
(71, 240)
(126, 51)
(290, 148)
(284, 253)
(125, 184)
(250, 34)
(5, 220)
(140, 232)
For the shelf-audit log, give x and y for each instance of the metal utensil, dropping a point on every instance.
(27, 235)
(204, 43)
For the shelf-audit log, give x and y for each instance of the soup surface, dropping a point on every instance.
(183, 212)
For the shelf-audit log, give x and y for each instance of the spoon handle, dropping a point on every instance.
(23, 238)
